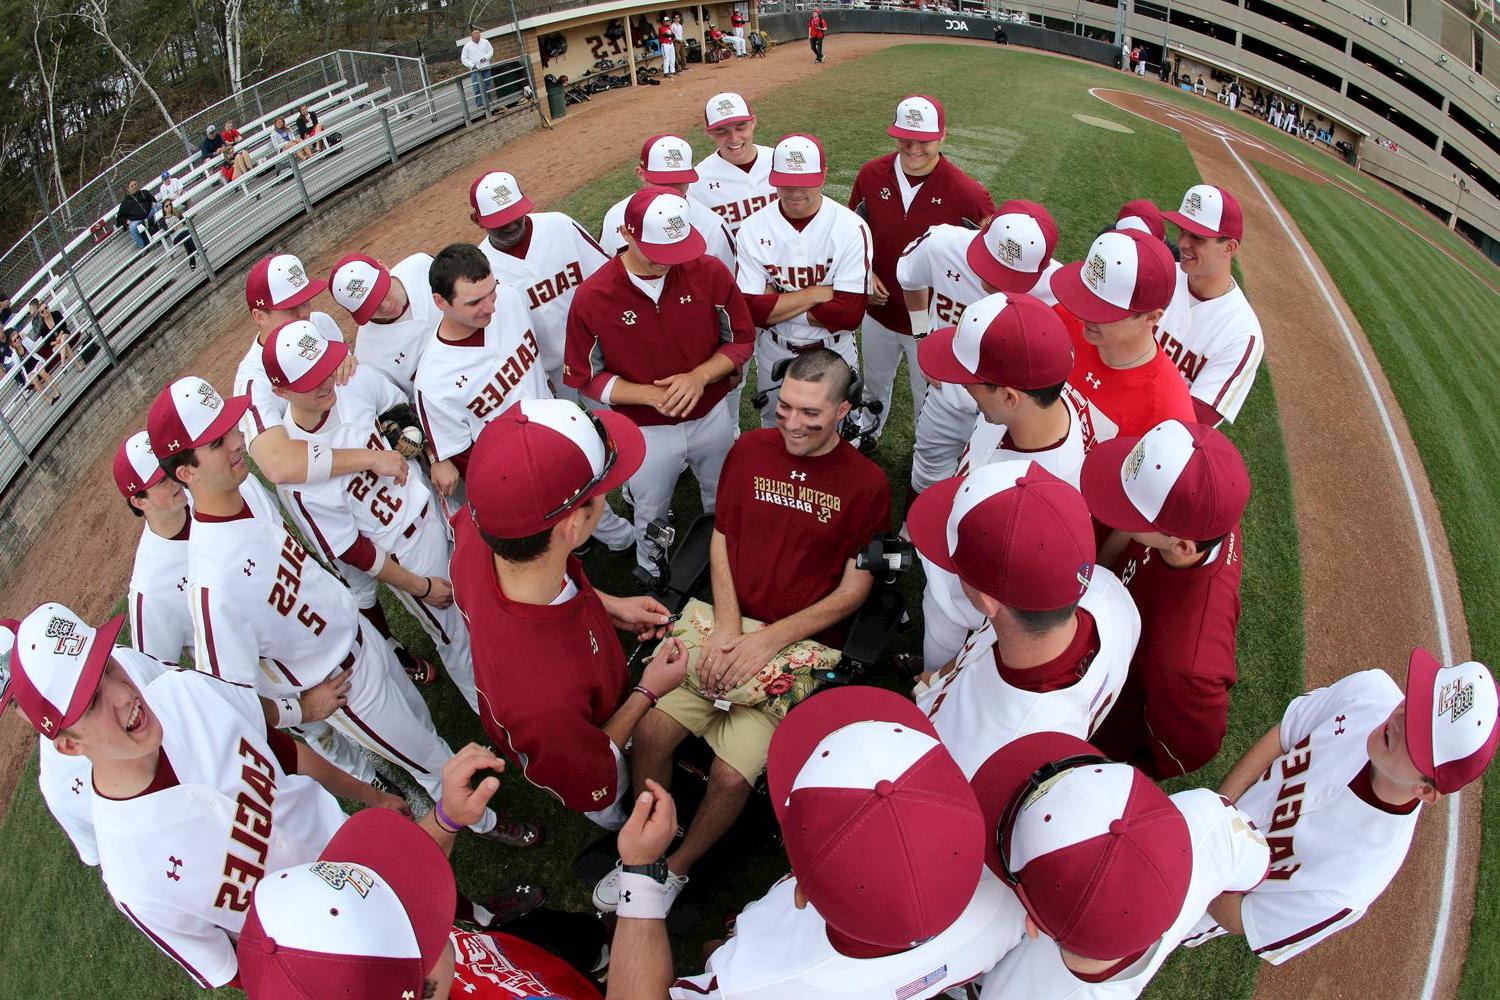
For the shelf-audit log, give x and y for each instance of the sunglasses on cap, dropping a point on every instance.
(1041, 779)
(610, 454)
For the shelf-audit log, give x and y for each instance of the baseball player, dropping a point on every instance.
(668, 50)
(902, 195)
(1112, 871)
(1142, 215)
(1010, 355)
(371, 529)
(161, 623)
(1179, 492)
(1337, 787)
(195, 795)
(1209, 329)
(1060, 633)
(667, 162)
(267, 615)
(939, 274)
(657, 334)
(394, 309)
(804, 266)
(735, 179)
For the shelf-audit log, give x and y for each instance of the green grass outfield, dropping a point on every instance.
(1013, 129)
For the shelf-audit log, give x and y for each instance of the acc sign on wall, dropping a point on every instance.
(949, 24)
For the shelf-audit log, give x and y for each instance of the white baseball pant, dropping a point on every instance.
(668, 59)
(736, 42)
(697, 444)
(768, 352)
(947, 616)
(882, 348)
(426, 552)
(943, 430)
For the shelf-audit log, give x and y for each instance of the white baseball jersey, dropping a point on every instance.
(558, 257)
(832, 249)
(1332, 851)
(161, 619)
(250, 379)
(1215, 343)
(1228, 856)
(778, 951)
(67, 783)
(463, 386)
(734, 192)
(715, 233)
(182, 862)
(394, 348)
(976, 712)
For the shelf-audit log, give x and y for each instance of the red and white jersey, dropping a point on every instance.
(250, 379)
(463, 386)
(1228, 856)
(976, 711)
(735, 193)
(394, 348)
(67, 783)
(334, 514)
(1216, 344)
(1332, 851)
(161, 619)
(832, 249)
(557, 255)
(702, 218)
(182, 859)
(265, 613)
(778, 952)
(495, 966)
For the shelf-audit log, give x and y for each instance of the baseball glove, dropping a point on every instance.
(402, 430)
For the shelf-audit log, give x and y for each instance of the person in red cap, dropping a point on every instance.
(1060, 631)
(195, 795)
(940, 274)
(394, 309)
(161, 622)
(902, 195)
(817, 28)
(658, 334)
(1142, 215)
(542, 472)
(1178, 493)
(735, 179)
(1209, 329)
(1112, 871)
(1337, 787)
(1009, 355)
(795, 505)
(667, 162)
(1111, 301)
(864, 792)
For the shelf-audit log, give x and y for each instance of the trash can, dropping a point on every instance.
(557, 100)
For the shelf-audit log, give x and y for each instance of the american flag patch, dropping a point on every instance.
(916, 986)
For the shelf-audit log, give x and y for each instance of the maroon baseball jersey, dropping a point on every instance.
(945, 196)
(548, 675)
(615, 329)
(1171, 714)
(792, 523)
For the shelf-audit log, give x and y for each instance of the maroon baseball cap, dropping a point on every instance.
(190, 413)
(881, 829)
(1183, 480)
(1125, 272)
(370, 918)
(1451, 712)
(297, 357)
(1014, 248)
(658, 220)
(55, 666)
(1141, 214)
(1011, 340)
(1011, 530)
(1210, 212)
(1099, 856)
(542, 458)
(135, 467)
(280, 282)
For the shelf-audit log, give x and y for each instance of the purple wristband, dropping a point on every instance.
(443, 821)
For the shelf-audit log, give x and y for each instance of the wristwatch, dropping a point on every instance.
(656, 870)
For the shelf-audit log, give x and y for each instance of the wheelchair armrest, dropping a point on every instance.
(870, 627)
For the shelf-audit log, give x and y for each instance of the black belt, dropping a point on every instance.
(828, 342)
(412, 528)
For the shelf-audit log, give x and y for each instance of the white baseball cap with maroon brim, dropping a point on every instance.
(189, 413)
(1210, 212)
(918, 117)
(1012, 251)
(1451, 712)
(657, 219)
(135, 467)
(725, 109)
(497, 200)
(798, 161)
(667, 159)
(56, 664)
(280, 282)
(359, 284)
(298, 359)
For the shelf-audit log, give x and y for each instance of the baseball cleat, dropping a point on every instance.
(514, 833)
(513, 903)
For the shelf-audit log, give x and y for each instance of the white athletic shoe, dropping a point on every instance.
(607, 892)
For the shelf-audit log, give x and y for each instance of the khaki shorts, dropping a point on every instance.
(740, 737)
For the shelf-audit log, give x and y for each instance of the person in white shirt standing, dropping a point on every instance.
(476, 55)
(394, 310)
(161, 623)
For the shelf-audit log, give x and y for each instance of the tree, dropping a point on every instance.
(96, 14)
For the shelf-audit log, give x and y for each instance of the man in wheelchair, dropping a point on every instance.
(796, 505)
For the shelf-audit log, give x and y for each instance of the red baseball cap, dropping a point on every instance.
(1011, 530)
(55, 666)
(1098, 854)
(1208, 211)
(725, 109)
(1142, 215)
(136, 468)
(298, 359)
(1014, 248)
(541, 458)
(1183, 480)
(918, 117)
(658, 220)
(370, 918)
(280, 282)
(190, 413)
(881, 829)
(497, 200)
(667, 159)
(1125, 272)
(1011, 340)
(359, 283)
(797, 161)
(1451, 714)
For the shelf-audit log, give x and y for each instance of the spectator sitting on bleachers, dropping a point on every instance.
(170, 189)
(177, 232)
(229, 134)
(137, 212)
(33, 375)
(281, 137)
(232, 164)
(49, 328)
(308, 128)
(212, 143)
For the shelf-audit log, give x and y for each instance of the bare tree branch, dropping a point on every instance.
(96, 13)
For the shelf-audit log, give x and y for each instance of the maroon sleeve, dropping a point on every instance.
(461, 461)
(727, 501)
(578, 352)
(983, 206)
(741, 327)
(760, 307)
(284, 747)
(857, 190)
(1206, 414)
(360, 555)
(844, 312)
